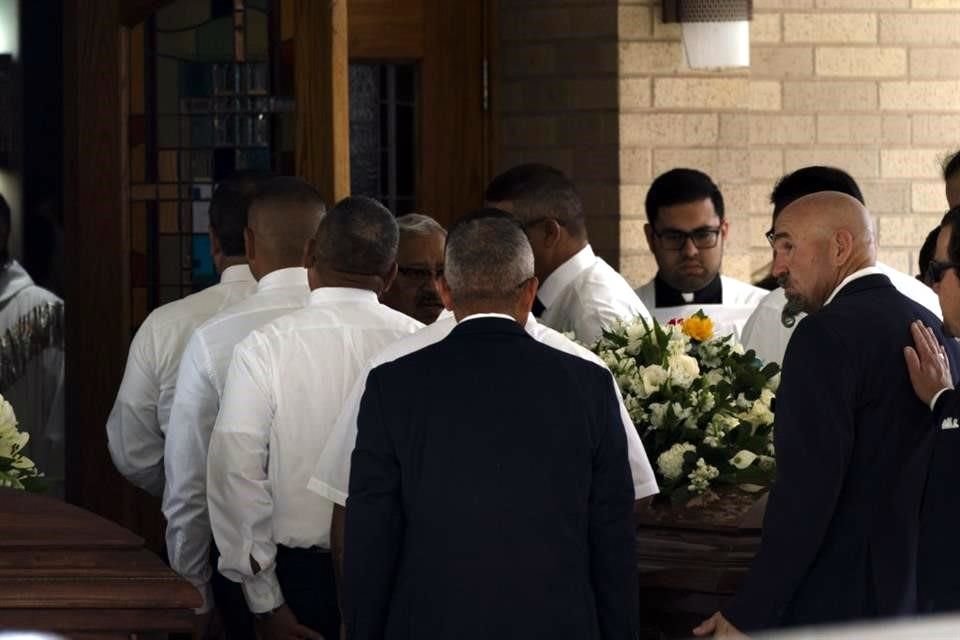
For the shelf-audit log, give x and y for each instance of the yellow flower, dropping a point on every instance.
(699, 327)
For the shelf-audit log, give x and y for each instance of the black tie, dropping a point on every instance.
(538, 307)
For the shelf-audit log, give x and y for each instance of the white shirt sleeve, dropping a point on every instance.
(644, 480)
(331, 476)
(238, 485)
(134, 436)
(765, 334)
(192, 418)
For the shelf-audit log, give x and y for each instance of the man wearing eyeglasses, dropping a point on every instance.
(929, 365)
(419, 264)
(579, 292)
(686, 229)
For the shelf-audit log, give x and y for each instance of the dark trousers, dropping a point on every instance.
(228, 596)
(309, 588)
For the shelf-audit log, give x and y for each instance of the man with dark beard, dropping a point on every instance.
(769, 328)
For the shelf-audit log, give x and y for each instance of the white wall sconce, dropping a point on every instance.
(716, 33)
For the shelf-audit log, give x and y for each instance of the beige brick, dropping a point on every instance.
(632, 197)
(861, 62)
(841, 129)
(934, 63)
(703, 159)
(935, 129)
(649, 57)
(788, 5)
(736, 202)
(897, 258)
(936, 4)
(910, 163)
(638, 268)
(765, 95)
(526, 61)
(734, 129)
(635, 166)
(591, 93)
(896, 130)
(782, 130)
(766, 163)
(886, 196)
(590, 128)
(759, 225)
(662, 30)
(844, 28)
(860, 163)
(765, 28)
(760, 197)
(920, 28)
(781, 61)
(928, 196)
(828, 96)
(863, 4)
(634, 22)
(635, 93)
(760, 263)
(922, 95)
(905, 231)
(668, 129)
(737, 265)
(632, 237)
(700, 93)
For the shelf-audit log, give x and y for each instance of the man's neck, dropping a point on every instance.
(232, 261)
(567, 251)
(322, 277)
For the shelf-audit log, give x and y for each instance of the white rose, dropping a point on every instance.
(652, 378)
(670, 462)
(658, 412)
(683, 369)
(714, 377)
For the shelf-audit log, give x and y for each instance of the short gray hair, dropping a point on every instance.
(488, 256)
(419, 225)
(358, 235)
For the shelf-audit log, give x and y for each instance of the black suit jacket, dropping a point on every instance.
(939, 586)
(490, 496)
(853, 444)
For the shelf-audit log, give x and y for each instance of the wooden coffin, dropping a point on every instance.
(691, 559)
(68, 571)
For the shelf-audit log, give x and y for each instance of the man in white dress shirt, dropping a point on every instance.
(284, 390)
(579, 292)
(686, 230)
(419, 264)
(138, 420)
(769, 328)
(331, 475)
(283, 217)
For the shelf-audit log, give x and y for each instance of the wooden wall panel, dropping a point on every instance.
(387, 29)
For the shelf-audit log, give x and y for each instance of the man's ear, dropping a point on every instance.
(389, 278)
(446, 296)
(724, 229)
(308, 257)
(551, 233)
(842, 245)
(528, 293)
(248, 244)
(648, 231)
(216, 250)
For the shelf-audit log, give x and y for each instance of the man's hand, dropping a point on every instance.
(208, 626)
(718, 627)
(927, 363)
(283, 625)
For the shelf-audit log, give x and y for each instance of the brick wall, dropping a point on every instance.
(871, 86)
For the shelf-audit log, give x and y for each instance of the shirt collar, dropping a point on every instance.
(866, 271)
(236, 273)
(554, 284)
(289, 277)
(323, 295)
(478, 316)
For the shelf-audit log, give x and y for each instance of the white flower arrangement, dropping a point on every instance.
(17, 471)
(703, 405)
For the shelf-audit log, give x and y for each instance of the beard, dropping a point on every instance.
(795, 305)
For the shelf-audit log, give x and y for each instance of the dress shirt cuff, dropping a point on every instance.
(330, 493)
(206, 592)
(936, 396)
(262, 591)
(643, 490)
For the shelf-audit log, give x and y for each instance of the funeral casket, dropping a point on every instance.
(691, 559)
(68, 571)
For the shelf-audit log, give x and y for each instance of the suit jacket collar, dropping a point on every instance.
(479, 326)
(864, 283)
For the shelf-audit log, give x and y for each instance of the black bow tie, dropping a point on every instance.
(538, 307)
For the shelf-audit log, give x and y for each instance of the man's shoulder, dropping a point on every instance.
(193, 310)
(740, 292)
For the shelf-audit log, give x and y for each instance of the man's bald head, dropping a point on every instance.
(818, 240)
(283, 216)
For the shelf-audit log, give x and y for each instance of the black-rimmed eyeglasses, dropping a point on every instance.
(420, 274)
(936, 270)
(702, 238)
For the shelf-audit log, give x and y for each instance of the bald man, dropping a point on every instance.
(853, 443)
(282, 218)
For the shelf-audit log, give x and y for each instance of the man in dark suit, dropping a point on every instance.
(853, 444)
(498, 505)
(932, 364)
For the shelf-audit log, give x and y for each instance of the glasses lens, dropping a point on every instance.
(673, 239)
(705, 238)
